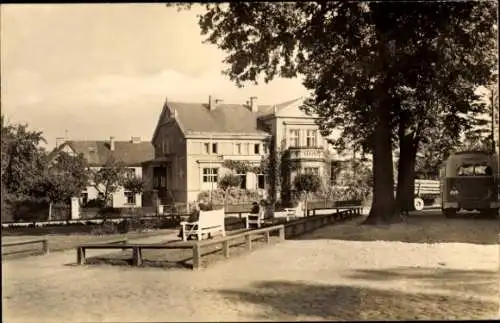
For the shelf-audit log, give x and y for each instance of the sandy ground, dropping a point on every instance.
(323, 276)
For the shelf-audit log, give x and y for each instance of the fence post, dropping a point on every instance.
(136, 256)
(225, 246)
(80, 256)
(45, 245)
(196, 256)
(268, 237)
(282, 233)
(248, 238)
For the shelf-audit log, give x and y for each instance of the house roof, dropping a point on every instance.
(98, 152)
(226, 118)
(196, 118)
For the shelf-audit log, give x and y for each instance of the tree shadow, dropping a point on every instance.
(473, 282)
(418, 227)
(285, 300)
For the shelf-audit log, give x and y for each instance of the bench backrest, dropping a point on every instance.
(212, 218)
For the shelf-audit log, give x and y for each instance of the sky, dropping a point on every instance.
(101, 70)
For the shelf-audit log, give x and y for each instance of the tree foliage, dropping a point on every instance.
(229, 180)
(109, 178)
(64, 177)
(23, 159)
(307, 182)
(134, 185)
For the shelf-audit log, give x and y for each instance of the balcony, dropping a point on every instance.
(306, 153)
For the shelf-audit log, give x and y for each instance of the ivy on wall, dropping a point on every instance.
(242, 166)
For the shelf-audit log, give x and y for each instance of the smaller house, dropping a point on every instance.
(132, 153)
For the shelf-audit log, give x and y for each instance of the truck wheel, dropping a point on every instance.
(418, 203)
(450, 213)
(489, 213)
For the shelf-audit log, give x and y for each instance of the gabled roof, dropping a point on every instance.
(98, 152)
(226, 118)
(196, 118)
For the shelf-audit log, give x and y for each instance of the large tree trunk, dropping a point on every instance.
(383, 203)
(406, 174)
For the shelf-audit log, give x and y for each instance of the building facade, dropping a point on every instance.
(193, 141)
(132, 153)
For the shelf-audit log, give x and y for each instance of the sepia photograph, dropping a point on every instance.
(250, 161)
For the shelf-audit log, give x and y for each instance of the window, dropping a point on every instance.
(84, 197)
(206, 148)
(237, 149)
(130, 197)
(163, 181)
(474, 170)
(214, 148)
(294, 138)
(130, 173)
(261, 181)
(311, 170)
(210, 175)
(243, 180)
(256, 149)
(311, 138)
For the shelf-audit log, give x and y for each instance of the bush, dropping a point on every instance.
(234, 196)
(229, 180)
(307, 182)
(95, 203)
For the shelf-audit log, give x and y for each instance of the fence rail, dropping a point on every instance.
(196, 247)
(43, 242)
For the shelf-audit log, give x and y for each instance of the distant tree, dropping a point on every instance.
(109, 178)
(135, 185)
(307, 183)
(23, 159)
(64, 177)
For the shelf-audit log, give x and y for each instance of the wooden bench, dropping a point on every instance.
(309, 224)
(354, 207)
(257, 219)
(110, 244)
(44, 242)
(209, 222)
(195, 246)
(297, 211)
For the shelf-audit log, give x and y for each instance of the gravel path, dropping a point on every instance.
(317, 279)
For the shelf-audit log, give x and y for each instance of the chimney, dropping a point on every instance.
(253, 104)
(60, 141)
(275, 108)
(135, 140)
(112, 143)
(211, 103)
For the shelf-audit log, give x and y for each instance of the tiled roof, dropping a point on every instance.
(98, 152)
(225, 118)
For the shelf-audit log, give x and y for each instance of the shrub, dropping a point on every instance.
(234, 196)
(229, 180)
(307, 182)
(95, 203)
